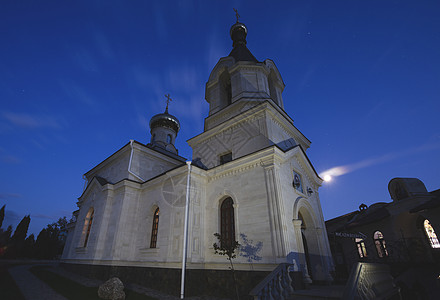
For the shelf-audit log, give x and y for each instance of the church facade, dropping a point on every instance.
(249, 177)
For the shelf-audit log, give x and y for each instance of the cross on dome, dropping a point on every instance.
(168, 102)
(236, 14)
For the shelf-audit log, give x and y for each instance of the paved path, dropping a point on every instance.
(31, 287)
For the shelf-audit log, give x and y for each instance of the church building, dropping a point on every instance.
(249, 177)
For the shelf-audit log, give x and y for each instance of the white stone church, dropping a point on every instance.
(249, 175)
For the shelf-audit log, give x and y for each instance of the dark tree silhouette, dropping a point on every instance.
(5, 238)
(16, 244)
(2, 215)
(28, 250)
(50, 241)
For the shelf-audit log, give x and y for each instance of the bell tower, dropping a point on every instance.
(246, 109)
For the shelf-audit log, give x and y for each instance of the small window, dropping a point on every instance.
(88, 226)
(155, 229)
(297, 182)
(360, 245)
(430, 233)
(379, 241)
(225, 158)
(153, 138)
(169, 138)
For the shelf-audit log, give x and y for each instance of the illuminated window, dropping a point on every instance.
(227, 226)
(362, 250)
(431, 234)
(379, 241)
(88, 226)
(155, 229)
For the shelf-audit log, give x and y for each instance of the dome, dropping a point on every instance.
(165, 120)
(238, 34)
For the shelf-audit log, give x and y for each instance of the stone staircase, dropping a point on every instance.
(367, 281)
(319, 292)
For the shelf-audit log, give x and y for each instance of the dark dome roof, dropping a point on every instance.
(165, 120)
(239, 51)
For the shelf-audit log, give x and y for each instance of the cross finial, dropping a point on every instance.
(236, 14)
(168, 101)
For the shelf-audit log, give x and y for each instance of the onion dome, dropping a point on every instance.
(165, 120)
(238, 33)
(240, 52)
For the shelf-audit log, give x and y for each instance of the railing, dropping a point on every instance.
(276, 285)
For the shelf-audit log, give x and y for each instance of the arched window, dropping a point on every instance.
(430, 233)
(169, 138)
(155, 229)
(380, 244)
(88, 226)
(227, 226)
(272, 88)
(362, 250)
(225, 89)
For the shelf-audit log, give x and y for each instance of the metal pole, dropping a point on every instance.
(185, 233)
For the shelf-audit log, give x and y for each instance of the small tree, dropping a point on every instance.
(227, 248)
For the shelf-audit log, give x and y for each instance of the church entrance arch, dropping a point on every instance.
(308, 239)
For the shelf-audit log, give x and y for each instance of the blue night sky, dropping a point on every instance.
(79, 79)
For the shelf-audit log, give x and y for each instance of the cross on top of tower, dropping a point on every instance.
(168, 102)
(236, 14)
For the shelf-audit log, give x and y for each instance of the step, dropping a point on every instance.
(330, 292)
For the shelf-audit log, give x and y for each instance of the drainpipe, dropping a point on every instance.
(185, 233)
(129, 164)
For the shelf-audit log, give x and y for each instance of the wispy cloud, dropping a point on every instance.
(11, 218)
(215, 50)
(305, 80)
(10, 195)
(85, 60)
(345, 169)
(77, 92)
(160, 22)
(43, 216)
(183, 78)
(103, 45)
(31, 121)
(10, 159)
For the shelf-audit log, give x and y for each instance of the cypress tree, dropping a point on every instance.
(2, 215)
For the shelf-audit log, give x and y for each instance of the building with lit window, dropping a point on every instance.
(402, 233)
(250, 176)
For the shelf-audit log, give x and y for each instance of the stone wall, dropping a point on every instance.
(198, 282)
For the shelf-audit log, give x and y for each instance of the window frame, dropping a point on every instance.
(154, 229)
(380, 244)
(225, 158)
(300, 188)
(227, 222)
(432, 238)
(88, 221)
(361, 247)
